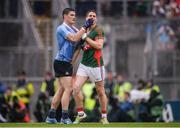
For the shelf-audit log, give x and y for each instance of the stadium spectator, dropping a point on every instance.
(166, 36)
(109, 84)
(49, 85)
(126, 112)
(121, 87)
(67, 37)
(42, 107)
(154, 107)
(48, 88)
(2, 88)
(15, 109)
(158, 9)
(166, 9)
(91, 67)
(91, 104)
(3, 107)
(24, 89)
(173, 9)
(109, 87)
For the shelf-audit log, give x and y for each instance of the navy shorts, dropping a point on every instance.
(62, 68)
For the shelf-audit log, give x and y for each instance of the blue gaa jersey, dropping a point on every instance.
(65, 47)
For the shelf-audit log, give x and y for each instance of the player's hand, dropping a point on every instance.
(88, 23)
(86, 47)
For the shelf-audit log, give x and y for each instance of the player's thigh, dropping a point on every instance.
(63, 71)
(81, 76)
(66, 82)
(96, 74)
(59, 84)
(80, 81)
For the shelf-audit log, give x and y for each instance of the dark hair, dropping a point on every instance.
(67, 10)
(92, 10)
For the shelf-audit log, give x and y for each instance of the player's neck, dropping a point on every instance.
(92, 27)
(67, 23)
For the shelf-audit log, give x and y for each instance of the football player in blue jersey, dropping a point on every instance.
(67, 38)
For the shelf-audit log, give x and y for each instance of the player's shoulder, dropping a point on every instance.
(99, 28)
(60, 27)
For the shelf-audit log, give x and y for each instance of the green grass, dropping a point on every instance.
(86, 125)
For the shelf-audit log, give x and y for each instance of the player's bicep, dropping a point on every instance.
(100, 37)
(100, 41)
(70, 37)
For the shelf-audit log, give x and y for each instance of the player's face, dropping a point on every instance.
(91, 15)
(70, 17)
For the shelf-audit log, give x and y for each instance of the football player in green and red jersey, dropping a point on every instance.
(91, 67)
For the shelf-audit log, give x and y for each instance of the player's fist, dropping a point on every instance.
(88, 23)
(86, 47)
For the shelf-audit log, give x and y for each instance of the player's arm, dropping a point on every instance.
(77, 51)
(75, 55)
(97, 43)
(76, 37)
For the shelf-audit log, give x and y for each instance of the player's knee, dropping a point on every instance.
(60, 88)
(100, 93)
(68, 90)
(76, 90)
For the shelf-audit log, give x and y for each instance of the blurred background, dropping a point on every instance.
(142, 48)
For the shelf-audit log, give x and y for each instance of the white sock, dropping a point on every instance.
(81, 113)
(103, 115)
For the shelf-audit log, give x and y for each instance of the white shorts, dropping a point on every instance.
(95, 74)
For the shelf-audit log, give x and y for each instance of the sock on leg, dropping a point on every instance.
(103, 114)
(65, 114)
(80, 111)
(52, 113)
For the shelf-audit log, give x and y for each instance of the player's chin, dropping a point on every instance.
(73, 21)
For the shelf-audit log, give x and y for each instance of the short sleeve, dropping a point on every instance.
(63, 31)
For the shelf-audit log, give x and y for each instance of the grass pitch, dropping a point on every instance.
(91, 125)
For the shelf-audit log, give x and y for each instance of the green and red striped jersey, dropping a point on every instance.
(93, 57)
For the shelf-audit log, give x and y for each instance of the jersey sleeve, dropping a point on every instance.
(63, 31)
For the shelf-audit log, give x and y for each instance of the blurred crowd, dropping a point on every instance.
(135, 8)
(139, 8)
(166, 8)
(15, 100)
(133, 101)
(139, 101)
